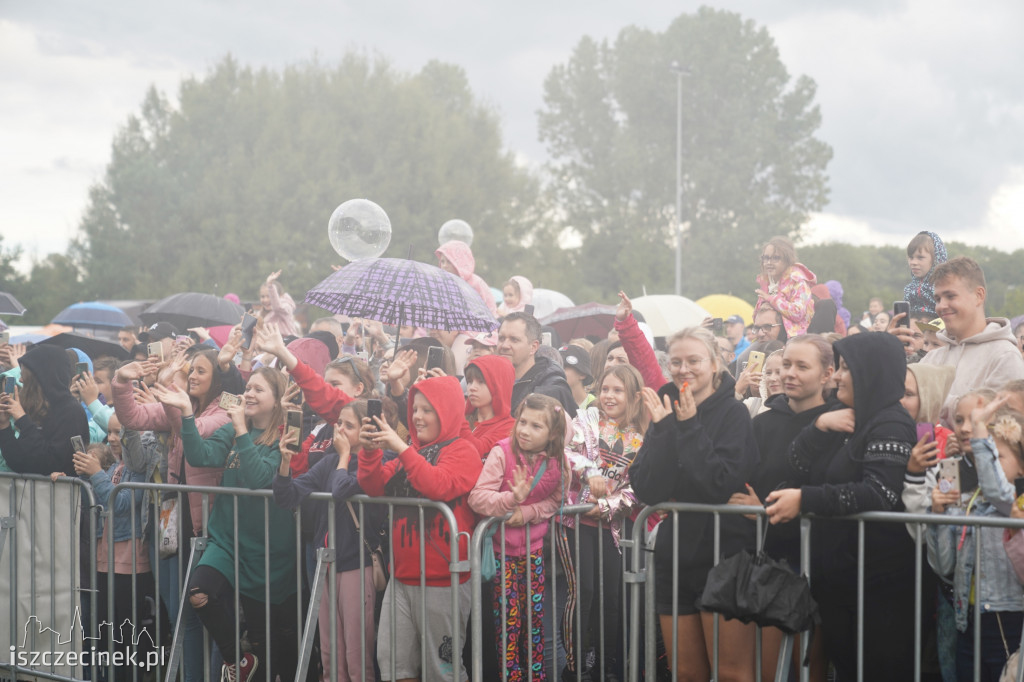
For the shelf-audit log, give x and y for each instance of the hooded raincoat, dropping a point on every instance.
(525, 296)
(499, 375)
(459, 254)
(919, 293)
(791, 296)
(443, 470)
(43, 448)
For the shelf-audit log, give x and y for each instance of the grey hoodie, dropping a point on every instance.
(985, 360)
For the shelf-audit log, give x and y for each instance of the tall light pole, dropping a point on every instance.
(679, 71)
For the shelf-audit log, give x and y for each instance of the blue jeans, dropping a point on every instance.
(993, 651)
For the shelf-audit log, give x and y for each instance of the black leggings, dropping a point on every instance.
(588, 594)
(218, 617)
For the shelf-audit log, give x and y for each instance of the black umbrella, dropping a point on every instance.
(89, 345)
(759, 589)
(191, 309)
(10, 305)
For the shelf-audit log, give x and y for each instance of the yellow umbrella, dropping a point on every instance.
(724, 305)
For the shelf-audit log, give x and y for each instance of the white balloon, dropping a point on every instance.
(359, 229)
(455, 230)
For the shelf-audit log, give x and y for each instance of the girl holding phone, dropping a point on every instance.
(44, 413)
(247, 450)
(336, 473)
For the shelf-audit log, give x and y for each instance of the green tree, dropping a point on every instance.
(869, 271)
(239, 176)
(53, 284)
(752, 165)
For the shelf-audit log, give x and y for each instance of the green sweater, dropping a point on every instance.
(246, 465)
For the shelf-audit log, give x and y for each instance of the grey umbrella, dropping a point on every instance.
(10, 305)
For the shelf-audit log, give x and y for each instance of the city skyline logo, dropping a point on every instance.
(124, 639)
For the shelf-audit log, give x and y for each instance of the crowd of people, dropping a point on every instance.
(807, 410)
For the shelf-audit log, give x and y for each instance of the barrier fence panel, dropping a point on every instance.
(50, 612)
(42, 548)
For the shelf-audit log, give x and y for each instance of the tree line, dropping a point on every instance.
(236, 175)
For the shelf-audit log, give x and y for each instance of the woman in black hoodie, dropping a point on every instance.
(850, 460)
(698, 448)
(45, 414)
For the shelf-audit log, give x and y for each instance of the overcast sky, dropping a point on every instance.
(922, 101)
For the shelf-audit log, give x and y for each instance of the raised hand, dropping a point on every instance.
(273, 276)
(10, 404)
(173, 396)
(657, 408)
(941, 500)
(520, 483)
(386, 437)
(86, 463)
(132, 371)
(227, 353)
(237, 414)
(87, 388)
(924, 455)
(982, 415)
(270, 339)
(624, 309)
(143, 396)
(686, 406)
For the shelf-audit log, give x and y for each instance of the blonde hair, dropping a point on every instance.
(705, 337)
(1008, 427)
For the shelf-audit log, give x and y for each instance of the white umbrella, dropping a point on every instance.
(547, 301)
(667, 314)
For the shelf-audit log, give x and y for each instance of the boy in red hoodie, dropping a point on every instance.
(437, 465)
(489, 380)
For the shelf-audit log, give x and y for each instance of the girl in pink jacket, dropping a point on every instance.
(523, 475)
(457, 258)
(785, 285)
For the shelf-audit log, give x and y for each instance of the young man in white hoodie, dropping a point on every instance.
(982, 349)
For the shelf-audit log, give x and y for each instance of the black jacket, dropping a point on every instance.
(46, 448)
(704, 459)
(851, 473)
(775, 431)
(546, 378)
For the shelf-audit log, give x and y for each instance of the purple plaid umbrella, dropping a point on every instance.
(398, 291)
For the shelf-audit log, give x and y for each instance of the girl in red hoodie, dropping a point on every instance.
(437, 465)
(489, 381)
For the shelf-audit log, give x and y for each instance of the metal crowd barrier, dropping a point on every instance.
(639, 628)
(20, 526)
